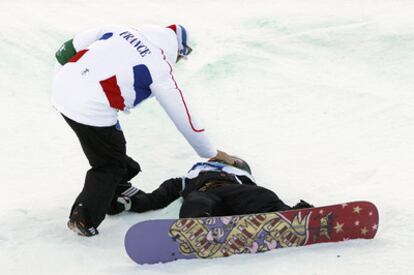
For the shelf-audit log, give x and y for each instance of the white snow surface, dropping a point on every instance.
(316, 95)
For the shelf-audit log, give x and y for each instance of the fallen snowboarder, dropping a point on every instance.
(209, 189)
(225, 213)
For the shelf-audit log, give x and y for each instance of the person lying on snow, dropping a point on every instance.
(211, 188)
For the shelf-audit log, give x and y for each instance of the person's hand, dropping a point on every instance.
(223, 157)
(118, 205)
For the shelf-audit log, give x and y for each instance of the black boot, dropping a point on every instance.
(79, 222)
(302, 204)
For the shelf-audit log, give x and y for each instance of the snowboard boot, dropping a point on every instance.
(122, 199)
(79, 222)
(302, 204)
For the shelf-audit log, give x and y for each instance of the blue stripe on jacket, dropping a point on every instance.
(142, 82)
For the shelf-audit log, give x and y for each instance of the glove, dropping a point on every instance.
(119, 205)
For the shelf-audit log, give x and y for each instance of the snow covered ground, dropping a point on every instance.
(316, 95)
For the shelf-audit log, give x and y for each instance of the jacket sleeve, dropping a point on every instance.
(80, 42)
(84, 39)
(161, 197)
(171, 98)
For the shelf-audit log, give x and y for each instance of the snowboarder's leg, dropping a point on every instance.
(201, 204)
(106, 152)
(248, 199)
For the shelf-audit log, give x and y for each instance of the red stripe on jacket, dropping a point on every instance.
(113, 92)
(182, 97)
(78, 55)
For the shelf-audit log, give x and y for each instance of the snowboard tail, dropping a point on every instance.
(211, 237)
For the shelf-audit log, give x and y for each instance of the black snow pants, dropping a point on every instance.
(105, 149)
(231, 199)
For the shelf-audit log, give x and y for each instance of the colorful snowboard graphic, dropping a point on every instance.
(168, 240)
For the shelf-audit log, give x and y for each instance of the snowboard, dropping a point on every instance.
(167, 240)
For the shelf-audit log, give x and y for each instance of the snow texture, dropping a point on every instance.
(316, 95)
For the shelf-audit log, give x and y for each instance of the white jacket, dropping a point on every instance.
(115, 69)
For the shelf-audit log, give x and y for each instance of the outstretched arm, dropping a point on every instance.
(173, 101)
(161, 197)
(171, 98)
